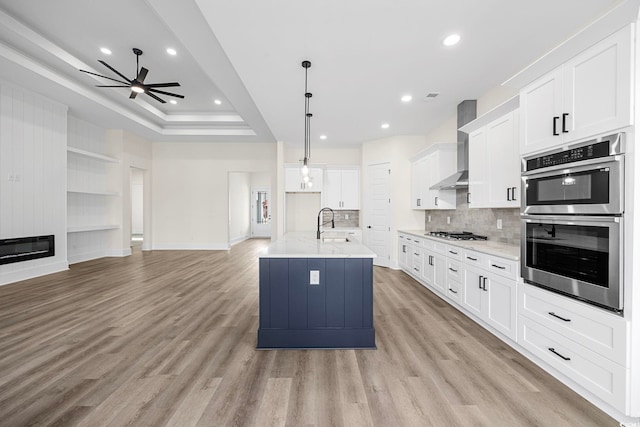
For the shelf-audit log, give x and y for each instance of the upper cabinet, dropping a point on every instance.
(428, 168)
(341, 189)
(294, 183)
(494, 163)
(587, 96)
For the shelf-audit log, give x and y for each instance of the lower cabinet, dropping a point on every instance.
(489, 296)
(480, 284)
(584, 343)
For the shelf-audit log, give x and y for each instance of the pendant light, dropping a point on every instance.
(307, 124)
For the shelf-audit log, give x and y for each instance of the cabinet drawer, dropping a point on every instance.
(440, 247)
(503, 267)
(454, 252)
(474, 258)
(602, 377)
(454, 290)
(454, 270)
(599, 331)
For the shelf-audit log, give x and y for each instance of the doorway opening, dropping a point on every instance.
(137, 208)
(260, 212)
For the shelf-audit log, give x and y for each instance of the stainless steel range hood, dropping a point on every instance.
(460, 179)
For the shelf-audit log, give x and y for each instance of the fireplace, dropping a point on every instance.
(26, 248)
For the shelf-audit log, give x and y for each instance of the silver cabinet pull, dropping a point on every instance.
(499, 266)
(479, 282)
(484, 283)
(472, 259)
(452, 252)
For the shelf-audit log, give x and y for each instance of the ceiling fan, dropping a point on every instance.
(137, 85)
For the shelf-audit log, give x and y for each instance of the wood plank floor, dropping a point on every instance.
(168, 338)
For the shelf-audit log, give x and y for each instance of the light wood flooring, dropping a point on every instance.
(168, 338)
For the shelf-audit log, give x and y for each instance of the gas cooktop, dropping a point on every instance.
(456, 235)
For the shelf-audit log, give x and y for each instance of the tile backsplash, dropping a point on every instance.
(478, 221)
(341, 220)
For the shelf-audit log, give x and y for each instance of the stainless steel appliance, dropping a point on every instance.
(572, 221)
(580, 256)
(456, 235)
(586, 179)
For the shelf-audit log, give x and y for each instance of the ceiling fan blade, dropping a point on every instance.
(113, 69)
(127, 86)
(156, 98)
(133, 95)
(105, 77)
(142, 74)
(165, 93)
(173, 84)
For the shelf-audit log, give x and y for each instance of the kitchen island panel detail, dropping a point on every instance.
(336, 313)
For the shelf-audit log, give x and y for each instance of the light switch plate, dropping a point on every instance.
(314, 277)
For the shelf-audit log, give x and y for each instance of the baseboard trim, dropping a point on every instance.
(30, 273)
(238, 240)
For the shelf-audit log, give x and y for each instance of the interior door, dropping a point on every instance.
(377, 231)
(261, 212)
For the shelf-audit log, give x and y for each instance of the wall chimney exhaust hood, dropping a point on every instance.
(460, 179)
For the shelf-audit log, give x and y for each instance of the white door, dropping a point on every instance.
(260, 212)
(377, 228)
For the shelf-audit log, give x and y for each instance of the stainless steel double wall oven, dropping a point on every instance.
(572, 221)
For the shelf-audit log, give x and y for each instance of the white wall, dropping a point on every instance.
(239, 206)
(190, 201)
(33, 171)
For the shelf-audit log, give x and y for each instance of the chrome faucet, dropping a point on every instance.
(333, 224)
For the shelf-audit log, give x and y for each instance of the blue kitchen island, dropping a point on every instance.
(316, 294)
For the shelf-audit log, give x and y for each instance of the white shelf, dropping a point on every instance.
(91, 155)
(491, 115)
(94, 193)
(83, 228)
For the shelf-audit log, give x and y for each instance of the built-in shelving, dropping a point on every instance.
(84, 228)
(94, 193)
(92, 155)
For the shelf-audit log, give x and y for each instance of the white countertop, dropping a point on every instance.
(485, 246)
(305, 245)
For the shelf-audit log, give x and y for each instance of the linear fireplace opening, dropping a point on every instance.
(26, 248)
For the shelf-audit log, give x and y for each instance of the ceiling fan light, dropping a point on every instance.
(137, 89)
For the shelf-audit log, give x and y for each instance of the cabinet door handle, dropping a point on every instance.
(468, 201)
(430, 259)
(472, 259)
(479, 282)
(551, 313)
(452, 252)
(484, 283)
(508, 194)
(513, 194)
(564, 122)
(418, 202)
(416, 254)
(436, 201)
(453, 269)
(415, 269)
(555, 125)
(451, 290)
(404, 249)
(553, 350)
(499, 266)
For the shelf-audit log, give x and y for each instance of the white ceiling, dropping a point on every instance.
(365, 55)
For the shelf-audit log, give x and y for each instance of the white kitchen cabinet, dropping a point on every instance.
(490, 292)
(294, 183)
(587, 96)
(494, 164)
(341, 189)
(403, 252)
(427, 169)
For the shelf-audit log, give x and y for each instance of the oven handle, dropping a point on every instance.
(601, 162)
(568, 220)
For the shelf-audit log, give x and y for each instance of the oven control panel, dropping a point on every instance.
(591, 151)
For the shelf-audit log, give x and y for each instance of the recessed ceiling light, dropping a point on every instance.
(451, 40)
(323, 136)
(217, 101)
(171, 51)
(173, 101)
(385, 126)
(105, 50)
(406, 98)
